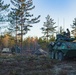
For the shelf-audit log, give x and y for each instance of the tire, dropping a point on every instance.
(52, 55)
(60, 56)
(56, 55)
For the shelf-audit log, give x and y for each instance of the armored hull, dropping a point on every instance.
(62, 48)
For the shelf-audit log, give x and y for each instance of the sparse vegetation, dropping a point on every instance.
(31, 65)
(16, 65)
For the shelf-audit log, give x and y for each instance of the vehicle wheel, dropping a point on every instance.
(60, 56)
(52, 55)
(56, 55)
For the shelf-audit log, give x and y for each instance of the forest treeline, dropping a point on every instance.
(20, 20)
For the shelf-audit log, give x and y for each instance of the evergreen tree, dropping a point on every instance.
(2, 17)
(22, 7)
(2, 8)
(48, 27)
(13, 26)
(73, 26)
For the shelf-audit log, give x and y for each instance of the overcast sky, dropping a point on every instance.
(62, 10)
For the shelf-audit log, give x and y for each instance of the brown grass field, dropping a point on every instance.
(35, 65)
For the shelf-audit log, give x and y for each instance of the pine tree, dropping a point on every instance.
(13, 26)
(2, 8)
(48, 27)
(2, 17)
(22, 7)
(74, 27)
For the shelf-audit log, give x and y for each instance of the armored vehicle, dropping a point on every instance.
(62, 47)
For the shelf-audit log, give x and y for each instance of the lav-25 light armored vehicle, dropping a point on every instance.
(62, 47)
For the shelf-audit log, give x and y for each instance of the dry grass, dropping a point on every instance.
(29, 65)
(25, 65)
(63, 72)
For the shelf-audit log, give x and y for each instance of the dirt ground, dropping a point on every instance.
(33, 65)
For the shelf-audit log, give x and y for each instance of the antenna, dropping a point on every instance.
(58, 26)
(63, 24)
